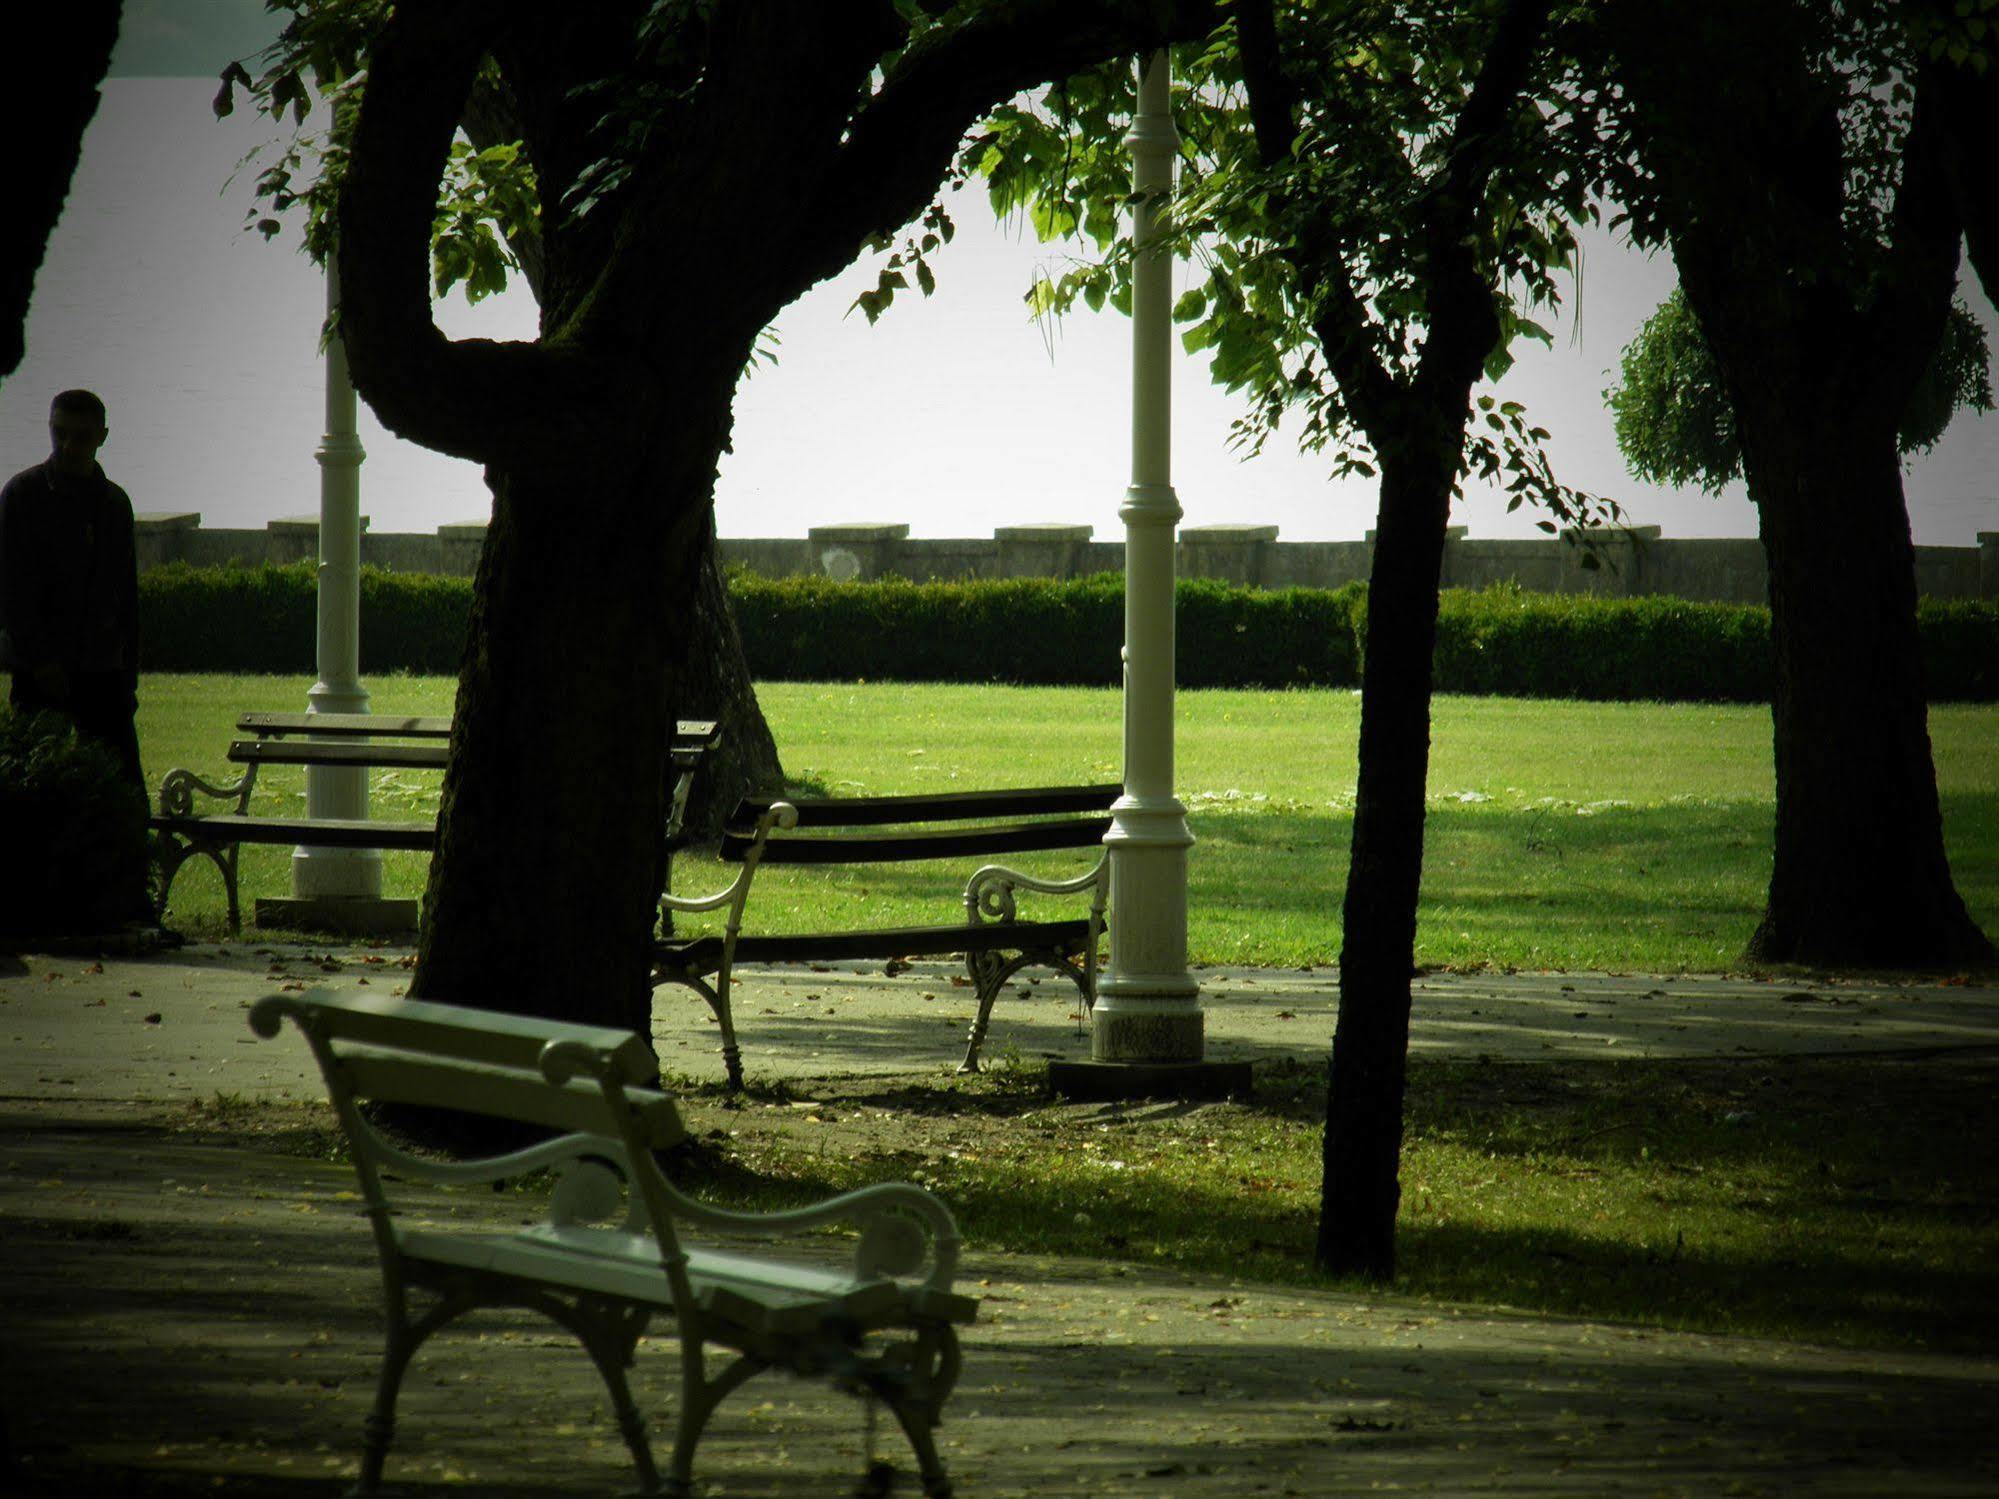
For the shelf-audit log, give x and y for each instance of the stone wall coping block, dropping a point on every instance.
(1044, 531)
(1227, 534)
(167, 520)
(1451, 533)
(294, 525)
(852, 532)
(463, 530)
(1610, 533)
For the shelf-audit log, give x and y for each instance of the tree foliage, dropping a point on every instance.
(308, 83)
(1377, 87)
(1675, 424)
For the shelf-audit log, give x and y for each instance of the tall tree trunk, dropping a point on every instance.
(1860, 878)
(712, 665)
(550, 834)
(1362, 1188)
(1821, 330)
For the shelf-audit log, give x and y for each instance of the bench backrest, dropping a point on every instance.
(593, 1085)
(906, 827)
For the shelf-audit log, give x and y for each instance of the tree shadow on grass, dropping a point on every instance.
(223, 1340)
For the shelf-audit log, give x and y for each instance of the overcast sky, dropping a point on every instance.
(955, 415)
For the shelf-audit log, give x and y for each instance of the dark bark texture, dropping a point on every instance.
(773, 157)
(1968, 106)
(1362, 1186)
(44, 111)
(710, 660)
(1820, 339)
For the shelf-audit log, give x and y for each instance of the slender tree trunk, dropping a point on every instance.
(1363, 1149)
(1860, 877)
(541, 894)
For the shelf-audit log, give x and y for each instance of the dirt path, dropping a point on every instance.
(188, 1312)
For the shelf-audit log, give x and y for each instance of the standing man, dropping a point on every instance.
(69, 586)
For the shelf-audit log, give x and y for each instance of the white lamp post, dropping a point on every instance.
(338, 791)
(1147, 1031)
(338, 888)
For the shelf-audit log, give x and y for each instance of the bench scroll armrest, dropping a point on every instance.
(989, 894)
(901, 1226)
(179, 787)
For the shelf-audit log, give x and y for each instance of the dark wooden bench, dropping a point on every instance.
(373, 741)
(881, 829)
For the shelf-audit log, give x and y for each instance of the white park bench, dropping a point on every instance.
(611, 1252)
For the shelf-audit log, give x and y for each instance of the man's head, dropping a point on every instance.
(76, 431)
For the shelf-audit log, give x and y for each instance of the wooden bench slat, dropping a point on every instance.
(920, 843)
(319, 752)
(704, 954)
(313, 832)
(396, 726)
(877, 811)
(400, 1077)
(491, 1037)
(386, 724)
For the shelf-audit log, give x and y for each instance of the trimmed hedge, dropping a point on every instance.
(1038, 630)
(1506, 640)
(266, 619)
(1043, 630)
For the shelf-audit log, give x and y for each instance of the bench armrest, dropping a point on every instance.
(989, 892)
(901, 1226)
(179, 787)
(777, 815)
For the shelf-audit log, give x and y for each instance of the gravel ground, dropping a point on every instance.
(193, 1310)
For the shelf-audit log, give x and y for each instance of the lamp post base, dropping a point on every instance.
(1104, 1082)
(341, 915)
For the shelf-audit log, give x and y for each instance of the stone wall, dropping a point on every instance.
(1637, 560)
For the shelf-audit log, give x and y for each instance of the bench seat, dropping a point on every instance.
(759, 1296)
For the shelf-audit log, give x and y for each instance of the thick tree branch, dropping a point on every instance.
(1340, 321)
(1906, 322)
(901, 142)
(1273, 102)
(46, 122)
(1968, 104)
(464, 398)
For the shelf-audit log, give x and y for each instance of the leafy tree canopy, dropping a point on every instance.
(1339, 219)
(1675, 424)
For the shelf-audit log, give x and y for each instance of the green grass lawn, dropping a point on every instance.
(1560, 835)
(1834, 1199)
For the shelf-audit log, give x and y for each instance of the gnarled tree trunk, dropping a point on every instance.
(600, 439)
(550, 833)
